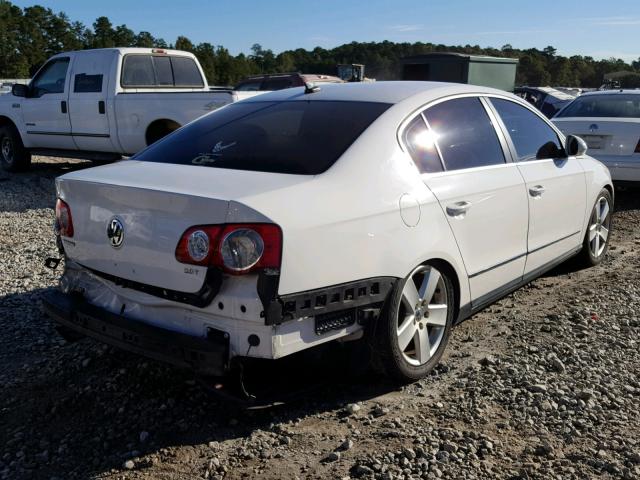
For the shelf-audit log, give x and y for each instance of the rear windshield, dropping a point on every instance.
(616, 105)
(159, 71)
(298, 137)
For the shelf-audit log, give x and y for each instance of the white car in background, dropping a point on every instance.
(391, 209)
(609, 121)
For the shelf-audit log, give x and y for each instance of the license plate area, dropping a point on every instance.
(594, 142)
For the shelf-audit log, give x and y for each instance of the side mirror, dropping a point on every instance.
(575, 146)
(19, 90)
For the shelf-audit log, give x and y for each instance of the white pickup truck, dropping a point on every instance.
(103, 104)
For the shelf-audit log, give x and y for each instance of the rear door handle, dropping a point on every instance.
(537, 191)
(101, 108)
(458, 209)
(63, 106)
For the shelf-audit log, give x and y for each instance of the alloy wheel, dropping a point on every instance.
(422, 315)
(599, 227)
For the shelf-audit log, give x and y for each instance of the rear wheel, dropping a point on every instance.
(596, 239)
(415, 324)
(13, 156)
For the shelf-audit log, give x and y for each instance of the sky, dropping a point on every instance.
(586, 27)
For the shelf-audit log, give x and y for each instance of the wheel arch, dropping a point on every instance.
(611, 191)
(4, 120)
(160, 128)
(448, 269)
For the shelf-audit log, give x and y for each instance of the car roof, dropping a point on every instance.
(378, 92)
(620, 91)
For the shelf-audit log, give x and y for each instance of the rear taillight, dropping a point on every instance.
(64, 222)
(637, 150)
(236, 248)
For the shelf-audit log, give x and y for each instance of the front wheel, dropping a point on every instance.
(13, 156)
(596, 239)
(415, 324)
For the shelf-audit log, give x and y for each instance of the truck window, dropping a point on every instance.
(164, 74)
(84, 83)
(160, 71)
(137, 71)
(51, 78)
(185, 72)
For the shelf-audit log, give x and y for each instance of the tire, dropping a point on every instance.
(432, 298)
(13, 156)
(596, 239)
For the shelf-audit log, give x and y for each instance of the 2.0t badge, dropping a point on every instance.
(115, 232)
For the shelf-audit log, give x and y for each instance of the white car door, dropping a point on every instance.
(555, 184)
(45, 111)
(462, 157)
(88, 100)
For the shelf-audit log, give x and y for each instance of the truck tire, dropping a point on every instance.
(13, 156)
(415, 323)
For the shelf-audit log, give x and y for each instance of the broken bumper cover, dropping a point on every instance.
(206, 356)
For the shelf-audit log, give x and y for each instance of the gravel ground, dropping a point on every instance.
(544, 384)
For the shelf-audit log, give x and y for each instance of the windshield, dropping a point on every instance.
(298, 137)
(613, 105)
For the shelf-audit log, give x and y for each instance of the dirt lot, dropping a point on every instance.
(544, 384)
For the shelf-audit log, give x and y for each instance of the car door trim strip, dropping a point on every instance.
(70, 134)
(554, 242)
(522, 255)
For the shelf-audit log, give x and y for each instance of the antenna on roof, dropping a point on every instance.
(311, 87)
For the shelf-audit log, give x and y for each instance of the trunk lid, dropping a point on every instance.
(606, 136)
(155, 206)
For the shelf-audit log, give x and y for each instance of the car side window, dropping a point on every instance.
(464, 134)
(532, 138)
(51, 79)
(84, 83)
(249, 86)
(421, 144)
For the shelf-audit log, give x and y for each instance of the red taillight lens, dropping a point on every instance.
(236, 248)
(637, 150)
(64, 222)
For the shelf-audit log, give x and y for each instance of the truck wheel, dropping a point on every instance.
(415, 324)
(13, 156)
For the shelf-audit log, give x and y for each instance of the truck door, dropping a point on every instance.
(88, 101)
(45, 110)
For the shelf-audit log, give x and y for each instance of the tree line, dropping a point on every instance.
(31, 35)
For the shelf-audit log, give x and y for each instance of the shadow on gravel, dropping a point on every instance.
(86, 404)
(627, 198)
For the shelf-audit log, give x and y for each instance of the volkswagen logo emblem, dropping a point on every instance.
(115, 232)
(593, 127)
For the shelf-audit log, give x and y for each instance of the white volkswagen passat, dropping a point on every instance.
(390, 210)
(609, 122)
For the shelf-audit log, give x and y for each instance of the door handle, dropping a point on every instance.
(63, 106)
(458, 209)
(537, 191)
(101, 108)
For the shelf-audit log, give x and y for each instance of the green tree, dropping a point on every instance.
(183, 43)
(104, 36)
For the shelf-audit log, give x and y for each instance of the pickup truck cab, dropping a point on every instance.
(105, 103)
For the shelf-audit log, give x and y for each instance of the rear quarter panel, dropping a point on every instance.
(597, 177)
(345, 224)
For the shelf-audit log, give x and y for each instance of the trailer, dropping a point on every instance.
(497, 72)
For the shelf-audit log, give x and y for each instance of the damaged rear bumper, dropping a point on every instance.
(206, 356)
